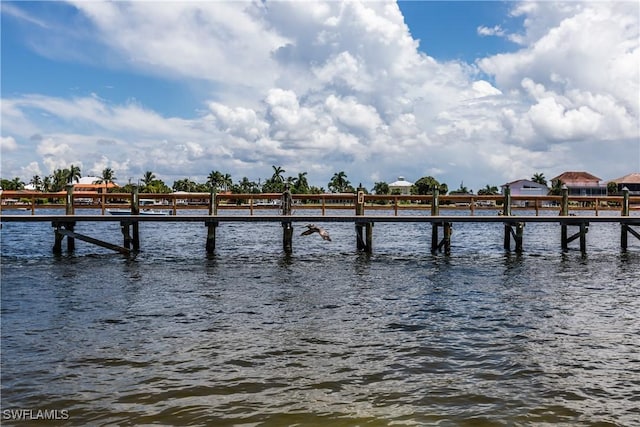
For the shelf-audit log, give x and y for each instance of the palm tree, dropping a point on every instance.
(277, 176)
(556, 188)
(300, 184)
(226, 181)
(461, 190)
(46, 183)
(214, 180)
(148, 178)
(489, 190)
(339, 183)
(59, 179)
(73, 174)
(36, 181)
(539, 178)
(107, 177)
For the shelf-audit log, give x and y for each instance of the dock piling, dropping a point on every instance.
(135, 210)
(564, 232)
(436, 244)
(287, 227)
(364, 240)
(212, 225)
(509, 226)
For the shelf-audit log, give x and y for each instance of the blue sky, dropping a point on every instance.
(493, 91)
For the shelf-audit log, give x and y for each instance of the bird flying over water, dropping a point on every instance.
(315, 229)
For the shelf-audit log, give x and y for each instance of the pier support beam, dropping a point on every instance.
(625, 229)
(364, 240)
(212, 225)
(445, 243)
(436, 244)
(135, 210)
(565, 239)
(287, 227)
(517, 235)
(69, 210)
(581, 234)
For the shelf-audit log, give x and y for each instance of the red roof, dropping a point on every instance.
(573, 177)
(632, 178)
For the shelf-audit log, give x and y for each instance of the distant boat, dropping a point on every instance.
(142, 212)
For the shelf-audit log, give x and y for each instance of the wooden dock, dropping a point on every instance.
(441, 225)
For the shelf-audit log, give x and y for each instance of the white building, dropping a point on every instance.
(525, 187)
(401, 186)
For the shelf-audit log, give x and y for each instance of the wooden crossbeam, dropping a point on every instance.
(93, 241)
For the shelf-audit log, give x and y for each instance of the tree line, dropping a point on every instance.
(223, 182)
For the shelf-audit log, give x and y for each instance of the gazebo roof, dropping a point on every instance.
(401, 182)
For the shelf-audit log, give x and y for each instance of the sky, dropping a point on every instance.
(471, 93)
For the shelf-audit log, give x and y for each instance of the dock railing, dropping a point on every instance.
(35, 201)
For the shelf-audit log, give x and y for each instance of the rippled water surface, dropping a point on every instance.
(325, 336)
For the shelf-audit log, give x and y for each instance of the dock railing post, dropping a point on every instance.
(211, 226)
(287, 228)
(624, 228)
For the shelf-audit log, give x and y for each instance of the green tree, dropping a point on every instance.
(226, 182)
(461, 190)
(426, 184)
(300, 184)
(277, 176)
(612, 188)
(489, 190)
(380, 188)
(59, 179)
(539, 178)
(46, 183)
(556, 188)
(14, 184)
(147, 179)
(184, 185)
(107, 177)
(339, 183)
(37, 183)
(73, 174)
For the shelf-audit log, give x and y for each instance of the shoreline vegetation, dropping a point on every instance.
(223, 183)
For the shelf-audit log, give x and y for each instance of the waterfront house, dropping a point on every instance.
(92, 184)
(525, 187)
(581, 184)
(631, 181)
(401, 186)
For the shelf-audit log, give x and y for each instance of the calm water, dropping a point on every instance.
(326, 336)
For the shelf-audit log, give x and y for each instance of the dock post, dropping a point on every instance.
(435, 211)
(69, 210)
(363, 241)
(564, 211)
(287, 228)
(211, 226)
(57, 244)
(135, 210)
(437, 245)
(506, 211)
(509, 225)
(624, 228)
